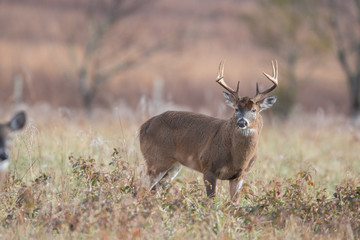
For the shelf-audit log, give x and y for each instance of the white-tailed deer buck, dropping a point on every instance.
(220, 149)
(16, 123)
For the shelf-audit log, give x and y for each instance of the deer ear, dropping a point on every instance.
(230, 99)
(266, 103)
(18, 121)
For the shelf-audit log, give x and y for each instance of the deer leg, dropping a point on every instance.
(172, 172)
(154, 180)
(210, 184)
(235, 186)
(169, 174)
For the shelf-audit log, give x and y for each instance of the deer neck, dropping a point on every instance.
(244, 142)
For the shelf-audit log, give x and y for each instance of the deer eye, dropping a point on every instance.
(236, 109)
(253, 110)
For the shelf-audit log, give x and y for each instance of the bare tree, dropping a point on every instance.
(282, 28)
(93, 71)
(312, 26)
(344, 20)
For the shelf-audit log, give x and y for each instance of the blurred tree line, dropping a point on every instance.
(294, 30)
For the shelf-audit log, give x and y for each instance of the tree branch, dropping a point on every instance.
(341, 51)
(117, 10)
(357, 3)
(102, 77)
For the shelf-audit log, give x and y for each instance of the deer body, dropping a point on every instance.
(194, 140)
(220, 149)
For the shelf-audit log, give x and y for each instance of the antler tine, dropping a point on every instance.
(221, 81)
(237, 87)
(274, 79)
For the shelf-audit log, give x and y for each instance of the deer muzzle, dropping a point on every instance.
(242, 123)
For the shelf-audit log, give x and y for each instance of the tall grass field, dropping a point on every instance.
(72, 177)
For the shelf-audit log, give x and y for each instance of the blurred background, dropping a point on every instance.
(154, 55)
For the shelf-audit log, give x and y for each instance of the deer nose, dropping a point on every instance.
(242, 123)
(3, 156)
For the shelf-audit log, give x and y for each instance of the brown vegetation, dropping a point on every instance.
(74, 179)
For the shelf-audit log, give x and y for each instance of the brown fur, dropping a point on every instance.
(206, 144)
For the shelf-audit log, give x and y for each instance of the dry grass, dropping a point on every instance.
(78, 178)
(74, 178)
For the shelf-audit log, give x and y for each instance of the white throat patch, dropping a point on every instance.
(4, 165)
(246, 131)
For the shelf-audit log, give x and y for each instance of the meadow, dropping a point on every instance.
(77, 178)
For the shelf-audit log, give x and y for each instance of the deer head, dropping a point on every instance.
(247, 109)
(16, 123)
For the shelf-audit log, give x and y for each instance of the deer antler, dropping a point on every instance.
(220, 80)
(274, 79)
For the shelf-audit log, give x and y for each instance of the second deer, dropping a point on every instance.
(220, 149)
(16, 123)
